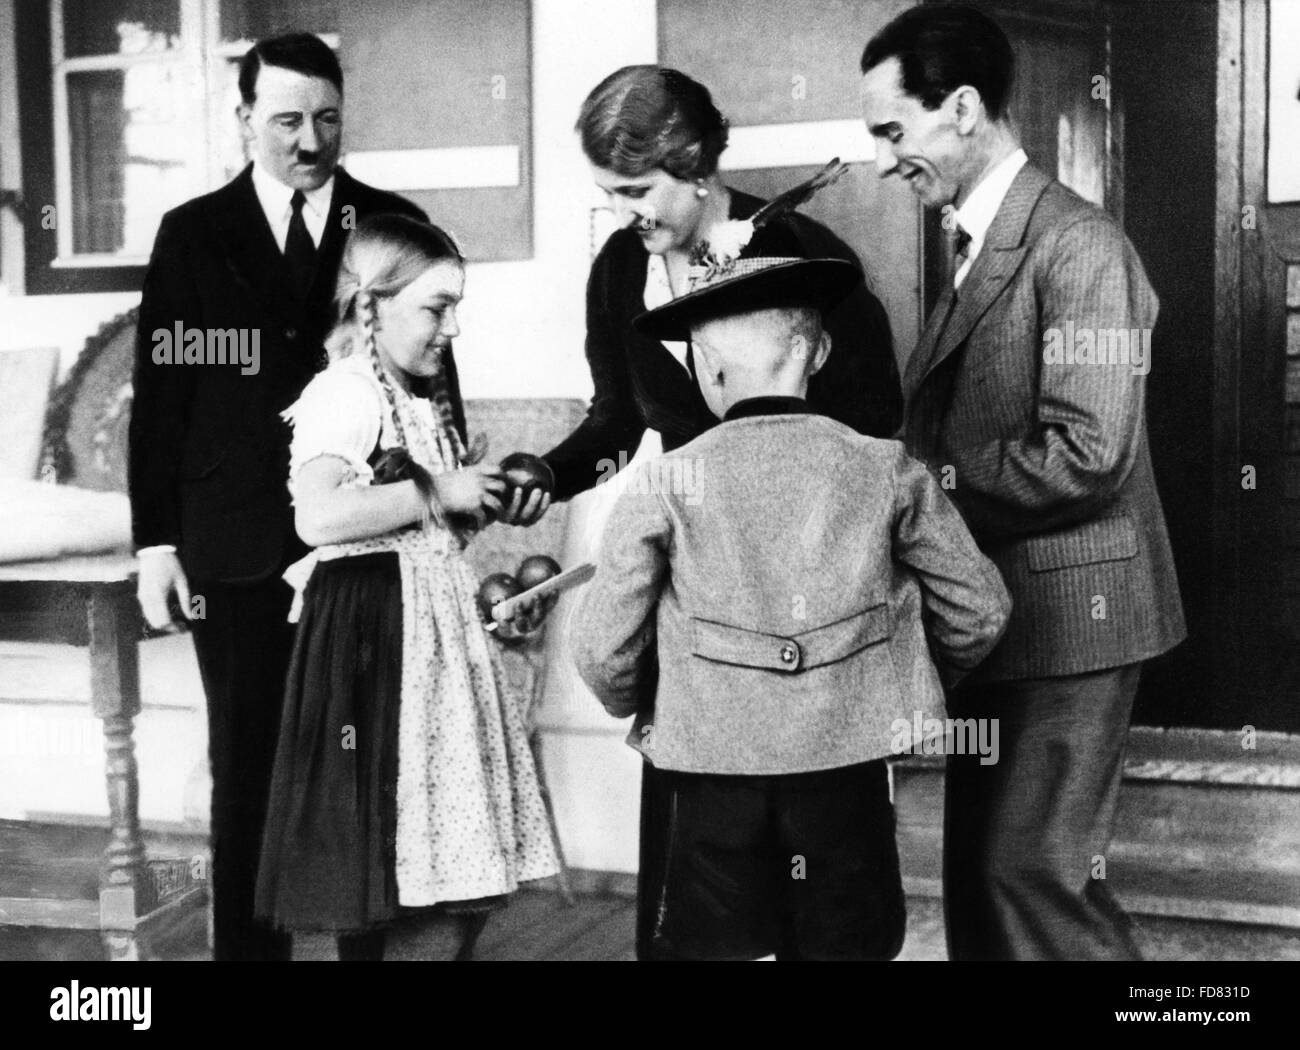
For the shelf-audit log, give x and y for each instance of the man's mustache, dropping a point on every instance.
(308, 156)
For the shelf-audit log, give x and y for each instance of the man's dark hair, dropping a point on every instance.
(300, 52)
(940, 47)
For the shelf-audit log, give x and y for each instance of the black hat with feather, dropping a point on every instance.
(747, 265)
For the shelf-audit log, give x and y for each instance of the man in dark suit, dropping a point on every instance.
(208, 452)
(1025, 394)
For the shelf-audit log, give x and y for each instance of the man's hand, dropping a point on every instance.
(160, 575)
(529, 617)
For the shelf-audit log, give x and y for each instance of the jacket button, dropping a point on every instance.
(788, 653)
(291, 334)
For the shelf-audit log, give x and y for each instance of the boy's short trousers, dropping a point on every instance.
(800, 865)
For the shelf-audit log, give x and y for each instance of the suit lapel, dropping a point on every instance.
(918, 362)
(1004, 250)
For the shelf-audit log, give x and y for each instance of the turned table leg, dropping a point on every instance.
(115, 694)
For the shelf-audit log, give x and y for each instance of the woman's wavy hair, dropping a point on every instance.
(644, 117)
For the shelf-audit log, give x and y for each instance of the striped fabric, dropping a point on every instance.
(1043, 445)
(798, 599)
(701, 277)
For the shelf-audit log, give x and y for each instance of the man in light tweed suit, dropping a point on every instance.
(793, 593)
(1026, 392)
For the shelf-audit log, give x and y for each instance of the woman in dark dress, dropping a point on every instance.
(653, 137)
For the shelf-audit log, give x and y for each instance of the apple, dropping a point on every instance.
(537, 569)
(527, 472)
(494, 589)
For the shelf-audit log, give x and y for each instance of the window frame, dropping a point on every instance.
(52, 267)
(190, 54)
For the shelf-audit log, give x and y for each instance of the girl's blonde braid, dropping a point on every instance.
(422, 478)
(366, 304)
(440, 395)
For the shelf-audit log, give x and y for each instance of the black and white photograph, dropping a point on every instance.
(593, 481)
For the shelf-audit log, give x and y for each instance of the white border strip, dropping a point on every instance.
(467, 167)
(797, 145)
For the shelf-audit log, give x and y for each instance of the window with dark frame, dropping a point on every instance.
(127, 109)
(143, 96)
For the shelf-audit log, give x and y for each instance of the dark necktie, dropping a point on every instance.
(929, 404)
(299, 249)
(961, 252)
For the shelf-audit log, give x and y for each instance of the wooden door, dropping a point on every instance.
(1117, 100)
(1061, 106)
(1256, 434)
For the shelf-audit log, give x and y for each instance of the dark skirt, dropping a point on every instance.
(328, 847)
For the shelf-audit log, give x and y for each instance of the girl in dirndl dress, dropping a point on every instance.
(403, 776)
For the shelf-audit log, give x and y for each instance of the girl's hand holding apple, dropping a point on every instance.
(477, 490)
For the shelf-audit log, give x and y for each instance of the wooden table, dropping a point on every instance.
(93, 598)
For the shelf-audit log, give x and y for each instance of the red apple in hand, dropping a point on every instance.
(532, 571)
(494, 589)
(537, 569)
(527, 472)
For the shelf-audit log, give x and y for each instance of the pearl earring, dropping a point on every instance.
(701, 190)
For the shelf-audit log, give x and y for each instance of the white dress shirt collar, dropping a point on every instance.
(981, 207)
(658, 292)
(276, 200)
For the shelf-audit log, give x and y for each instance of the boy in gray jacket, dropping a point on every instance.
(772, 625)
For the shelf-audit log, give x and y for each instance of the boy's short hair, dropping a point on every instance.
(804, 320)
(808, 322)
(783, 322)
(800, 317)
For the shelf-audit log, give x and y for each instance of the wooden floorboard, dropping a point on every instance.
(560, 927)
(59, 862)
(561, 936)
(603, 930)
(525, 915)
(612, 939)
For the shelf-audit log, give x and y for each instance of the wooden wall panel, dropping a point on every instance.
(438, 74)
(777, 62)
